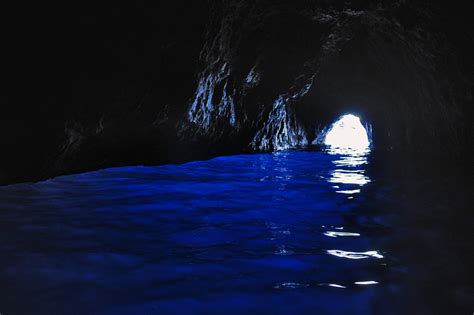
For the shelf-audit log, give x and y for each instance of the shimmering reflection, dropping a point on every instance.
(348, 192)
(349, 174)
(348, 139)
(228, 232)
(355, 255)
(243, 234)
(354, 177)
(340, 234)
(291, 285)
(350, 157)
(282, 251)
(365, 282)
(333, 285)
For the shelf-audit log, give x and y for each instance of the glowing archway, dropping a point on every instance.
(348, 139)
(348, 134)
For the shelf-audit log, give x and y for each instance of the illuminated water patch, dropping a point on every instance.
(355, 255)
(349, 140)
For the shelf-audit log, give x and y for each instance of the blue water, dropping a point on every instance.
(284, 233)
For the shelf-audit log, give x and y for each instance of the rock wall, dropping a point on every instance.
(151, 83)
(276, 72)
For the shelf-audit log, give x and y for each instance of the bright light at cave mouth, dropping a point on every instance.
(347, 135)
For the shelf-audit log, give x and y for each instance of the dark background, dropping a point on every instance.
(91, 85)
(71, 65)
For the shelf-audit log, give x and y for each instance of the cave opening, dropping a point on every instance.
(347, 135)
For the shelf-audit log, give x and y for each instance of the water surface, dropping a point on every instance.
(284, 233)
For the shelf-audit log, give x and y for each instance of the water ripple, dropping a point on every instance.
(333, 285)
(365, 282)
(355, 255)
(340, 234)
(291, 285)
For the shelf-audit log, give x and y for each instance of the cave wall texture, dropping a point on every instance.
(156, 82)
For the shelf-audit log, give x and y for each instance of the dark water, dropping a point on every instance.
(284, 233)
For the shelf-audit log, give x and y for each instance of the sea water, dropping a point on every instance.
(284, 233)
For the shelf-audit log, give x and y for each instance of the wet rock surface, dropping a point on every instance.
(148, 83)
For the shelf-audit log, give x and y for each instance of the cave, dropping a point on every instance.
(237, 156)
(346, 134)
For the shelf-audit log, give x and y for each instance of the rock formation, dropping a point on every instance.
(148, 84)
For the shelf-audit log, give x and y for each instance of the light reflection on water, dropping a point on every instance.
(355, 255)
(366, 282)
(348, 140)
(349, 170)
(340, 234)
(265, 233)
(218, 234)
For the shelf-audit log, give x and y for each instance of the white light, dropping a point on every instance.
(355, 255)
(365, 282)
(356, 177)
(347, 135)
(333, 285)
(340, 234)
